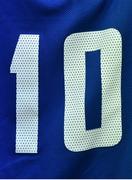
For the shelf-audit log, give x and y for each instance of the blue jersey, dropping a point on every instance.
(66, 89)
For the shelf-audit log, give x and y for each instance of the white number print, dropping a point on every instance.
(25, 65)
(109, 42)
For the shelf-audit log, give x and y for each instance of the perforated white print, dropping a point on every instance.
(76, 137)
(25, 65)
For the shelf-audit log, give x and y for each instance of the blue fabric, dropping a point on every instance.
(54, 20)
(93, 93)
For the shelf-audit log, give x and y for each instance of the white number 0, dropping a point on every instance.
(77, 138)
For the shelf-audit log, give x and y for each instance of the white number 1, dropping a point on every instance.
(25, 65)
(76, 137)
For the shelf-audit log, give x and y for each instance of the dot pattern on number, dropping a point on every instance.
(76, 137)
(25, 65)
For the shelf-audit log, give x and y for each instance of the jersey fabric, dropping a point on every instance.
(49, 23)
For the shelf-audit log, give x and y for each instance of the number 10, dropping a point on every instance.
(25, 64)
